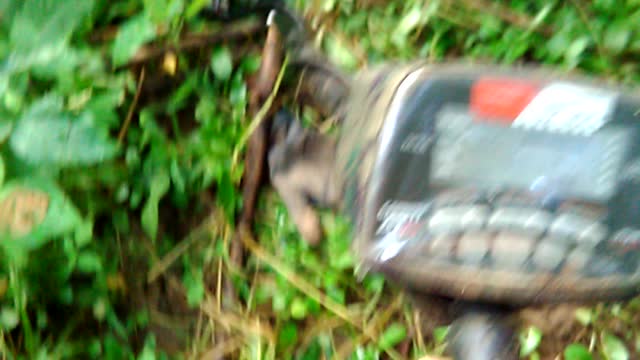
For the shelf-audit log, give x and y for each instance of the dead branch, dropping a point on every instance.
(231, 32)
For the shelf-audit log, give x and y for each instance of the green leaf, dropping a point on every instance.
(605, 5)
(408, 23)
(374, 283)
(238, 91)
(366, 353)
(222, 63)
(84, 233)
(65, 294)
(159, 187)
(13, 101)
(617, 36)
(47, 56)
(394, 334)
(584, 316)
(100, 307)
(135, 32)
(41, 23)
(9, 318)
(148, 353)
(440, 334)
(541, 15)
(339, 53)
(288, 335)
(104, 105)
(328, 5)
(558, 44)
(42, 319)
(89, 262)
(613, 347)
(227, 195)
(574, 53)
(156, 10)
(250, 63)
(8, 9)
(279, 302)
(298, 308)
(194, 8)
(490, 27)
(47, 135)
(529, 341)
(113, 349)
(149, 218)
(194, 284)
(577, 352)
(178, 99)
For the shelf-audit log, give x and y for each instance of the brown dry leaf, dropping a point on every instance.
(22, 210)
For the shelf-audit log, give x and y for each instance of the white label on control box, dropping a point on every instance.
(567, 109)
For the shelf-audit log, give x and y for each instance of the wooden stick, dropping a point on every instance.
(231, 32)
(134, 103)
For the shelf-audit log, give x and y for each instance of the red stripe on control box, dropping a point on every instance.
(500, 100)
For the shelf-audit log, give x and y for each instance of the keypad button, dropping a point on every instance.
(572, 226)
(472, 248)
(458, 219)
(531, 221)
(577, 260)
(592, 235)
(511, 250)
(549, 253)
(475, 218)
(441, 246)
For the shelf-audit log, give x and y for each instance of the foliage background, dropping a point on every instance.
(141, 163)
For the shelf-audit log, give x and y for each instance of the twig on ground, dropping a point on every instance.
(134, 103)
(319, 327)
(233, 321)
(230, 32)
(225, 348)
(209, 228)
(263, 86)
(377, 322)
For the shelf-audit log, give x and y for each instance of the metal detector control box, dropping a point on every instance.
(496, 185)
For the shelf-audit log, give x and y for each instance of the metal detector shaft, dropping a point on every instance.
(322, 84)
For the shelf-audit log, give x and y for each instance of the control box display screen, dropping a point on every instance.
(493, 156)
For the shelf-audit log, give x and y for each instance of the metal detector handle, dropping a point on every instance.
(290, 25)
